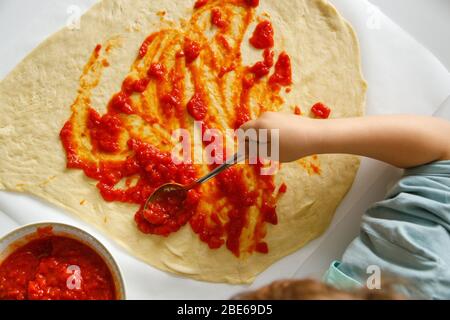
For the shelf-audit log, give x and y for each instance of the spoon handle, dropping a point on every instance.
(236, 158)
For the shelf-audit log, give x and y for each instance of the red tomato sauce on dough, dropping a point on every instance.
(168, 214)
(216, 18)
(262, 37)
(252, 3)
(262, 68)
(321, 111)
(283, 71)
(39, 270)
(197, 107)
(200, 3)
(133, 178)
(191, 50)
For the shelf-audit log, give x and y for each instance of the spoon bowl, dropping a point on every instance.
(165, 191)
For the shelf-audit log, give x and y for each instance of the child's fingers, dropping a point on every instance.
(249, 125)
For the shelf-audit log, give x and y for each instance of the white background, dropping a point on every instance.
(426, 20)
(403, 77)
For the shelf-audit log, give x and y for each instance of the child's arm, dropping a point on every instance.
(403, 141)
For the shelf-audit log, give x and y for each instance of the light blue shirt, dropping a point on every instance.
(406, 236)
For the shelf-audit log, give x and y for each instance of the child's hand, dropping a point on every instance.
(293, 133)
(403, 141)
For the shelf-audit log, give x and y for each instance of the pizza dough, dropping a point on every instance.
(35, 100)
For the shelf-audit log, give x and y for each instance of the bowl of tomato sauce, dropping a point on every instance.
(55, 261)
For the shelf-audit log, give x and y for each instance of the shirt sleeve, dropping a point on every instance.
(407, 236)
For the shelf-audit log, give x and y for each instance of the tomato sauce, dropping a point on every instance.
(283, 188)
(216, 18)
(252, 3)
(262, 37)
(191, 50)
(128, 165)
(283, 71)
(121, 103)
(321, 111)
(226, 69)
(200, 3)
(168, 214)
(223, 41)
(232, 184)
(156, 70)
(197, 107)
(144, 47)
(242, 116)
(262, 68)
(39, 270)
(104, 131)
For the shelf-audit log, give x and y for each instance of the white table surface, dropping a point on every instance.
(428, 21)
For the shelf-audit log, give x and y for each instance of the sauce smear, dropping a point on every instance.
(179, 76)
(321, 111)
(262, 37)
(283, 71)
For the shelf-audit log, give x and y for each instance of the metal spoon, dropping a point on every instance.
(181, 190)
